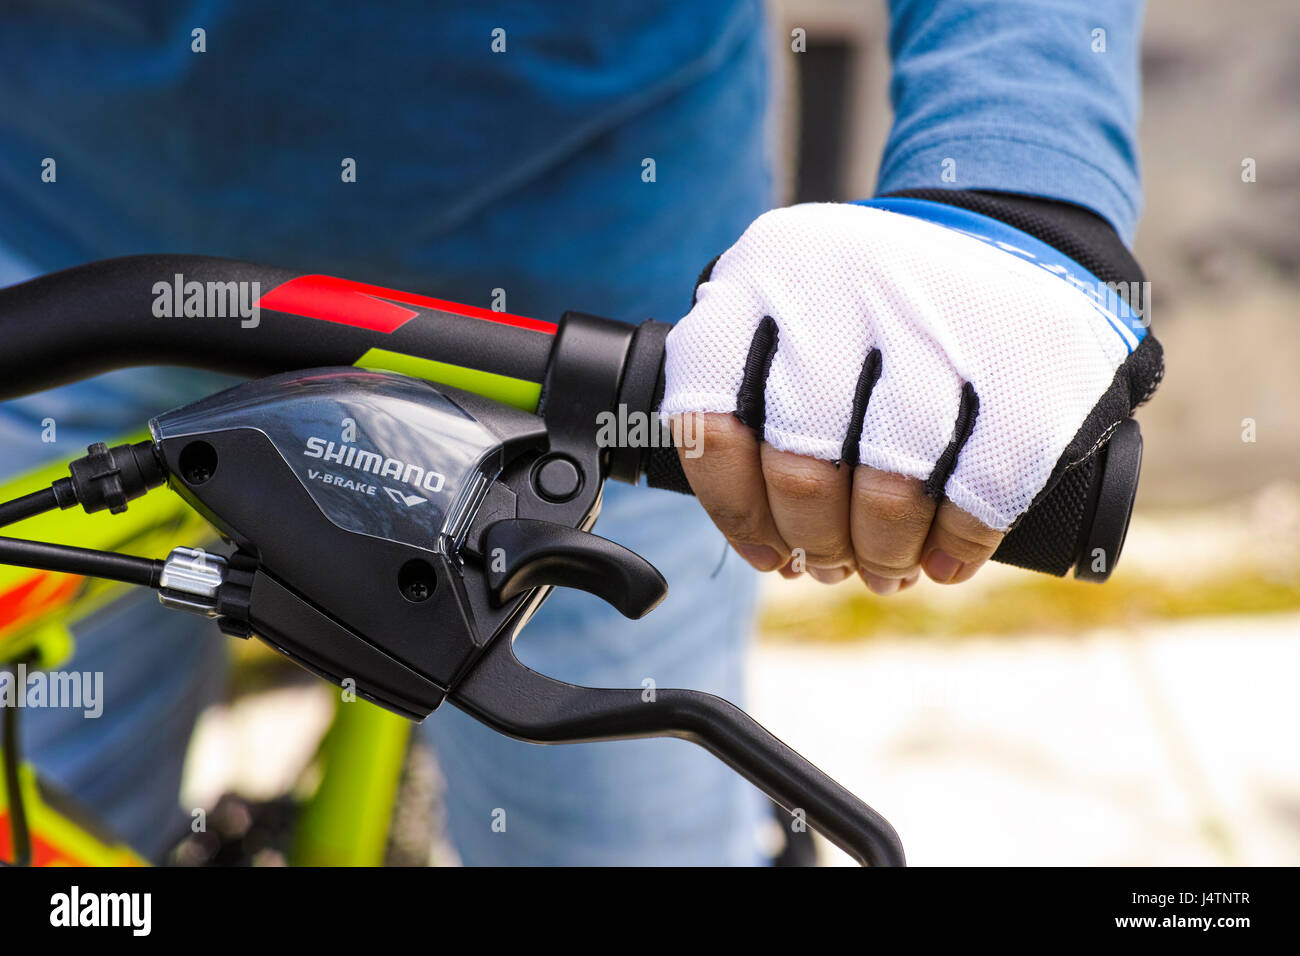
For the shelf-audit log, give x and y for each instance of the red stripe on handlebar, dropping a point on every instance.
(373, 307)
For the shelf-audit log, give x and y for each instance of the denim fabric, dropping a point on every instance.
(530, 179)
(645, 802)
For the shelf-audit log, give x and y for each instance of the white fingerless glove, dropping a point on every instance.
(961, 352)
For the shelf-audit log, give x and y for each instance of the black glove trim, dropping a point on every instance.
(872, 366)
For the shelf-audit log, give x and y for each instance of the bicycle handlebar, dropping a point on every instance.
(101, 316)
(244, 319)
(254, 321)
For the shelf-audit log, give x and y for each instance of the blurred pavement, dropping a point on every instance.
(1148, 748)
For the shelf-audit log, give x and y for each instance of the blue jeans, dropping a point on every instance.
(632, 802)
(575, 225)
(644, 802)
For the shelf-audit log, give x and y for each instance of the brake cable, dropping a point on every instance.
(20, 836)
(38, 502)
(28, 506)
(103, 478)
(110, 565)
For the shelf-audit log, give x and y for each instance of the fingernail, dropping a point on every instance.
(879, 585)
(760, 556)
(829, 575)
(908, 581)
(942, 567)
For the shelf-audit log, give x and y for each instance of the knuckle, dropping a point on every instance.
(964, 532)
(794, 480)
(795, 483)
(738, 523)
(723, 434)
(892, 499)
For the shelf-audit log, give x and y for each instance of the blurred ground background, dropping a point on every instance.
(1020, 719)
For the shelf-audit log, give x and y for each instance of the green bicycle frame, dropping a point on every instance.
(346, 820)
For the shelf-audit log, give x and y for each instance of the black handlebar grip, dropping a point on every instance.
(1081, 523)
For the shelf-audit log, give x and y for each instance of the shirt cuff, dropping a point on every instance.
(1005, 163)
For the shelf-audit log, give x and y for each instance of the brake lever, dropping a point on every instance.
(511, 698)
(402, 557)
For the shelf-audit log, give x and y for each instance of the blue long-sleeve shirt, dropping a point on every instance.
(1029, 96)
(505, 145)
(237, 150)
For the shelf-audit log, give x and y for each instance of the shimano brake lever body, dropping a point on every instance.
(394, 536)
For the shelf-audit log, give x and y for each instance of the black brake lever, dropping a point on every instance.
(512, 699)
(402, 559)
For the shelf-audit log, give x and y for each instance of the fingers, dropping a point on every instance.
(890, 520)
(727, 478)
(881, 525)
(958, 543)
(887, 586)
(809, 501)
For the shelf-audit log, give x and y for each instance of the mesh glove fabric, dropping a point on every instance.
(916, 338)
